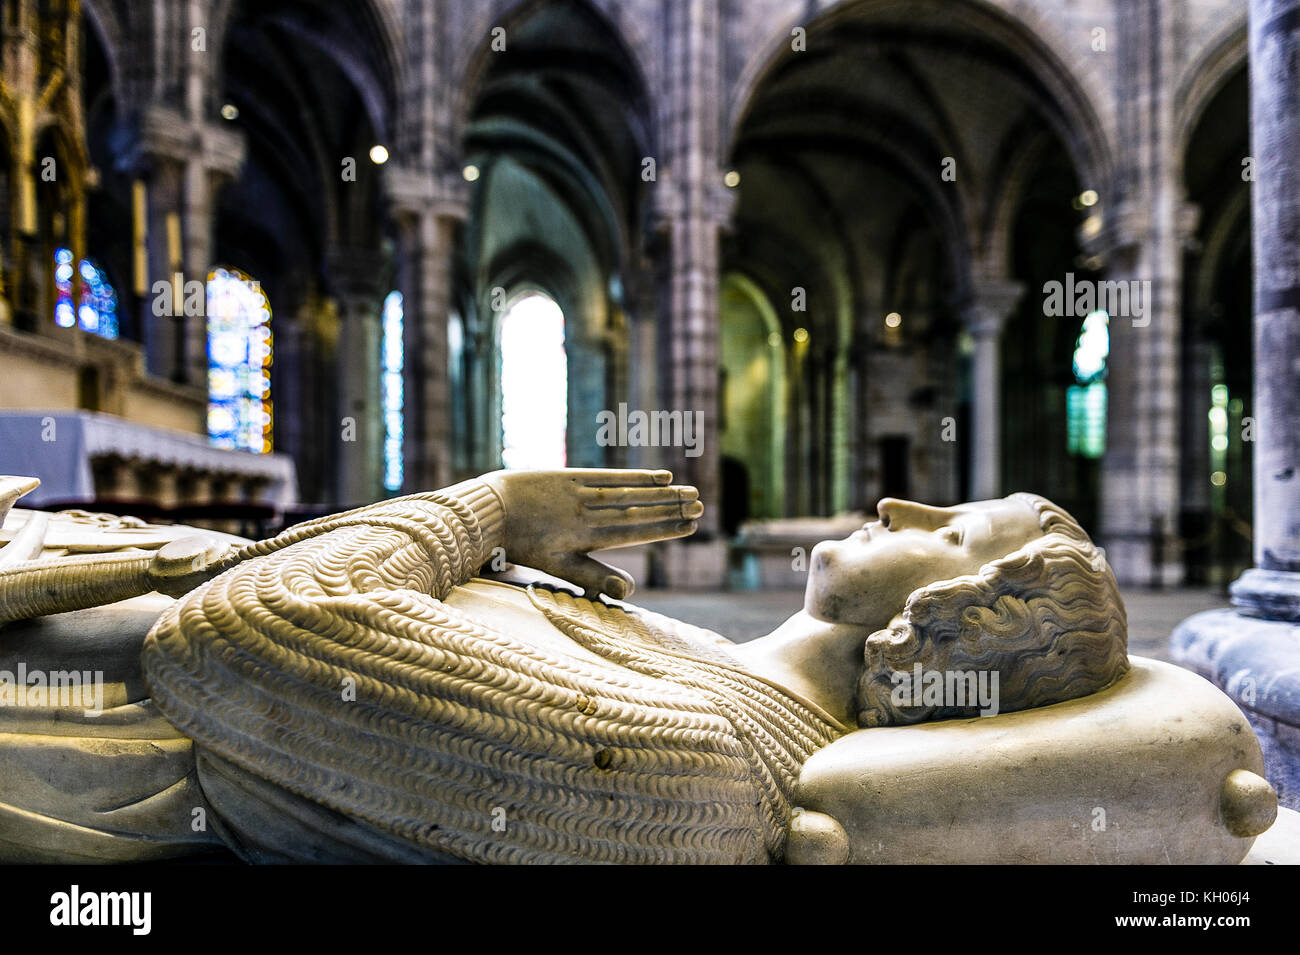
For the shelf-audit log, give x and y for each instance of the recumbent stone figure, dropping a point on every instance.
(352, 690)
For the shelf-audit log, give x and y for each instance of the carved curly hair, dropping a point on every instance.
(1047, 618)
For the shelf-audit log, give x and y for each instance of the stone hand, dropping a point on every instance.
(554, 518)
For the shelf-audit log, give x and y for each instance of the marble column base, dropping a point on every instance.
(1256, 662)
(1271, 594)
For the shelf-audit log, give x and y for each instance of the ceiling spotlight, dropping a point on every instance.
(801, 335)
(470, 172)
(1088, 198)
(774, 340)
(893, 319)
(732, 179)
(230, 111)
(378, 154)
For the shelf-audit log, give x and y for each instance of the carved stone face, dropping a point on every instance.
(866, 578)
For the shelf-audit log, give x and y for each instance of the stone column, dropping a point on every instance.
(1275, 140)
(355, 275)
(428, 208)
(182, 162)
(288, 384)
(641, 327)
(1252, 652)
(1141, 470)
(692, 205)
(162, 200)
(480, 392)
(991, 303)
(689, 348)
(1195, 518)
(1141, 231)
(217, 162)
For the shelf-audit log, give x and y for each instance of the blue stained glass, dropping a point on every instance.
(1086, 401)
(95, 308)
(1086, 419)
(239, 361)
(393, 397)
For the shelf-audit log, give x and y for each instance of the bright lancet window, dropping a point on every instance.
(239, 362)
(1086, 401)
(534, 384)
(83, 296)
(392, 385)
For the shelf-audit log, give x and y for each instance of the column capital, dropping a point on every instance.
(989, 303)
(675, 197)
(720, 202)
(413, 193)
(1129, 225)
(165, 135)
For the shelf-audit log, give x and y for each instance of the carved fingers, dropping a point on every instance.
(553, 518)
(594, 576)
(619, 516)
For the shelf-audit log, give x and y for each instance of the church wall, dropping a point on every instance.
(34, 384)
(162, 405)
(76, 372)
(618, 346)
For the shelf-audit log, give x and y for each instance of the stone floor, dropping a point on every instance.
(741, 616)
(1280, 845)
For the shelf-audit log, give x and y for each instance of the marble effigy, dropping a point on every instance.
(956, 688)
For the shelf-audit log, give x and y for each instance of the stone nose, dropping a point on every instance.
(898, 515)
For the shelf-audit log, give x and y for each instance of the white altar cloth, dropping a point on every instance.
(63, 463)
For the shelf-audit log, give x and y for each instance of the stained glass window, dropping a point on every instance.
(1086, 401)
(239, 362)
(1219, 421)
(83, 296)
(1086, 419)
(64, 314)
(392, 391)
(534, 384)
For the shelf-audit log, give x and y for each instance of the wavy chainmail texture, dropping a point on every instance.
(33, 588)
(779, 732)
(327, 664)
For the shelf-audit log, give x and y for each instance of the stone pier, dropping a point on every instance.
(992, 302)
(1253, 651)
